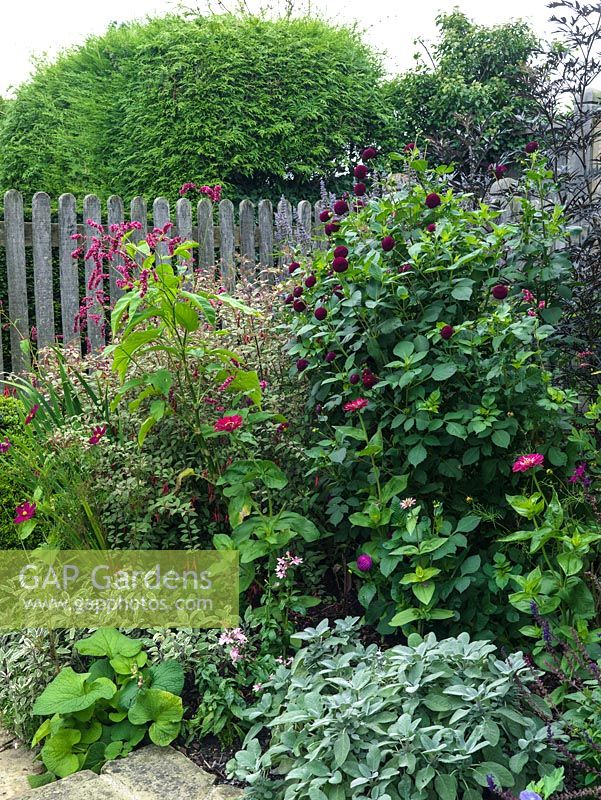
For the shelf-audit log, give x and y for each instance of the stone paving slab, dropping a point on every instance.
(16, 763)
(84, 785)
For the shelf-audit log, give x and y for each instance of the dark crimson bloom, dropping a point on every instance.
(325, 215)
(293, 266)
(341, 251)
(34, 410)
(500, 291)
(369, 153)
(340, 264)
(405, 268)
(356, 405)
(388, 244)
(500, 170)
(330, 356)
(331, 227)
(302, 364)
(359, 189)
(364, 562)
(297, 291)
(340, 207)
(354, 378)
(228, 424)
(321, 313)
(431, 227)
(337, 291)
(531, 147)
(409, 147)
(360, 172)
(447, 331)
(289, 299)
(310, 281)
(299, 305)
(433, 200)
(97, 434)
(368, 378)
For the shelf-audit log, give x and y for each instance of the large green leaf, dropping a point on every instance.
(110, 643)
(70, 691)
(168, 675)
(58, 755)
(163, 709)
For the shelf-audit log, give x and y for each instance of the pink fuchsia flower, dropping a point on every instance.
(360, 172)
(340, 207)
(500, 291)
(299, 306)
(5, 446)
(310, 281)
(340, 264)
(359, 189)
(325, 215)
(407, 503)
(369, 153)
(292, 267)
(25, 512)
(33, 411)
(529, 461)
(368, 379)
(356, 405)
(531, 147)
(388, 244)
(302, 364)
(446, 332)
(433, 200)
(97, 434)
(431, 227)
(320, 313)
(228, 424)
(364, 562)
(341, 251)
(285, 563)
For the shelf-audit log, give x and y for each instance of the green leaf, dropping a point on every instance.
(443, 372)
(298, 524)
(342, 747)
(70, 692)
(417, 454)
(501, 774)
(404, 617)
(446, 787)
(168, 675)
(187, 317)
(468, 523)
(501, 438)
(109, 642)
(163, 709)
(395, 486)
(145, 429)
(570, 563)
(57, 754)
(424, 592)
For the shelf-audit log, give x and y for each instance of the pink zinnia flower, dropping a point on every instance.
(529, 461)
(228, 424)
(356, 405)
(32, 413)
(24, 512)
(5, 446)
(97, 434)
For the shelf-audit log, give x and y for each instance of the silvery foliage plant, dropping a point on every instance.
(427, 721)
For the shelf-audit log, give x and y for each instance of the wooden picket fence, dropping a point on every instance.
(43, 248)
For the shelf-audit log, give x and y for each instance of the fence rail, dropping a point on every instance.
(38, 256)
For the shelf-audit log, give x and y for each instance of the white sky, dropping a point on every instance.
(46, 26)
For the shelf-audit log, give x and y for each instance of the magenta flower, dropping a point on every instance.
(228, 424)
(340, 264)
(293, 266)
(359, 189)
(25, 512)
(97, 434)
(369, 153)
(289, 299)
(405, 268)
(310, 281)
(302, 364)
(388, 244)
(34, 410)
(355, 405)
(360, 172)
(431, 227)
(368, 378)
(409, 147)
(5, 446)
(325, 215)
(297, 291)
(499, 170)
(500, 291)
(340, 207)
(579, 475)
(531, 147)
(433, 200)
(341, 251)
(529, 461)
(321, 313)
(446, 332)
(364, 562)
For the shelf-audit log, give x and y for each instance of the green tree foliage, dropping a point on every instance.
(469, 96)
(263, 107)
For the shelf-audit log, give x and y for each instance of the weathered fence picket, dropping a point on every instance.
(228, 239)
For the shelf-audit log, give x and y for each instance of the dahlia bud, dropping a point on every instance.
(531, 147)
(388, 244)
(293, 266)
(330, 356)
(447, 331)
(500, 291)
(354, 378)
(297, 291)
(299, 305)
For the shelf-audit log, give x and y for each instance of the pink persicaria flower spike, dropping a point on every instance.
(356, 405)
(529, 461)
(364, 562)
(5, 446)
(228, 424)
(97, 434)
(25, 512)
(34, 410)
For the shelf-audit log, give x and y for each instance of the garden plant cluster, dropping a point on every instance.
(384, 432)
